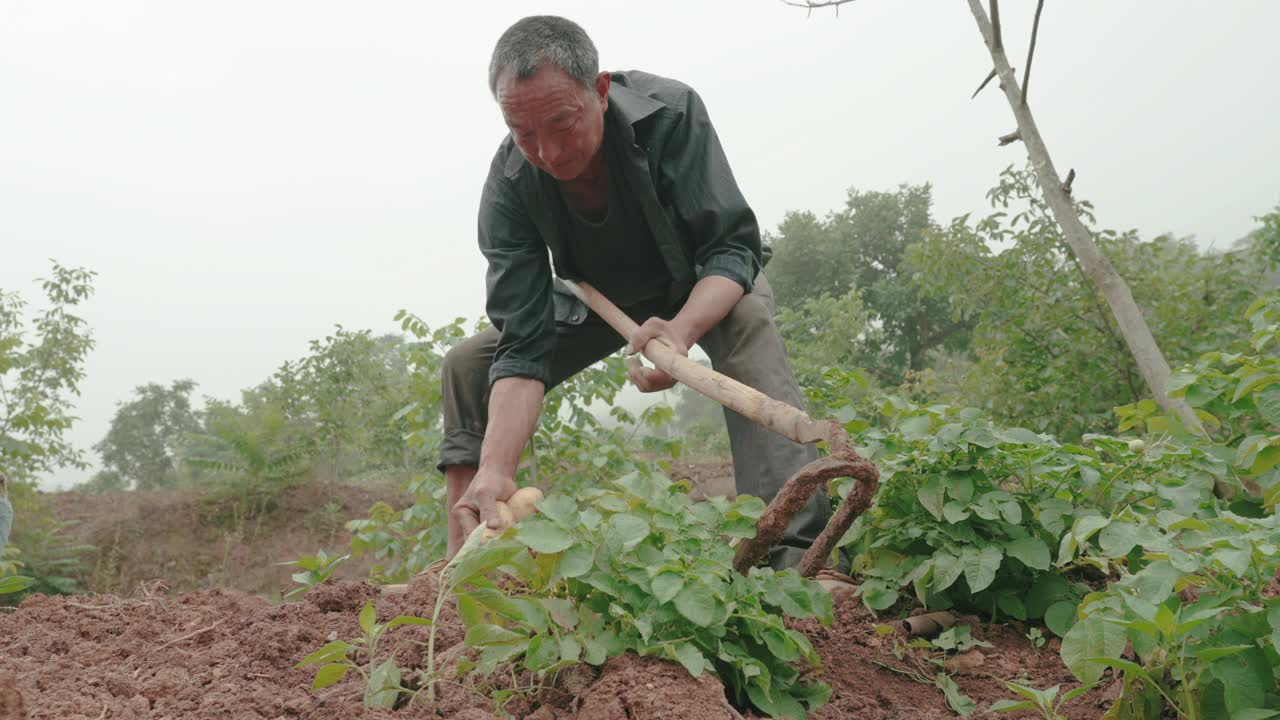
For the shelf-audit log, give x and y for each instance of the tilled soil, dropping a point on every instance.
(226, 655)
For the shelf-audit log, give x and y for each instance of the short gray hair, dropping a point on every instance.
(533, 41)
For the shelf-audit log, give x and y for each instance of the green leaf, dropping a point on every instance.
(1031, 551)
(1209, 654)
(1021, 436)
(577, 561)
(329, 674)
(561, 611)
(1012, 606)
(560, 509)
(955, 512)
(1268, 404)
(666, 586)
(691, 658)
(1012, 705)
(696, 603)
(916, 427)
(958, 701)
(407, 620)
(946, 570)
(15, 583)
(930, 495)
(1246, 678)
(776, 704)
(384, 686)
(1091, 638)
(1252, 381)
(1048, 589)
(595, 651)
(1165, 621)
(980, 435)
(1086, 526)
(1237, 561)
(625, 530)
(542, 535)
(1254, 714)
(878, 594)
(488, 634)
(1118, 538)
(1125, 665)
(980, 566)
(570, 649)
(494, 654)
(543, 652)
(336, 650)
(1266, 459)
(368, 617)
(1060, 617)
(1249, 448)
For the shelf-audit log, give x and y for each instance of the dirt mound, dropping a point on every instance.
(226, 655)
(192, 540)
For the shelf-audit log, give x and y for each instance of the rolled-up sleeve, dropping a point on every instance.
(707, 201)
(518, 285)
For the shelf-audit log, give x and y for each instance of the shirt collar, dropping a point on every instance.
(626, 104)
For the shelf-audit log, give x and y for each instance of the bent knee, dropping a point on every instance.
(469, 357)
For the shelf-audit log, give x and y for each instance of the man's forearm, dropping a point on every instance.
(514, 404)
(712, 298)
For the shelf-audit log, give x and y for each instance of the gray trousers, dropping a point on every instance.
(745, 346)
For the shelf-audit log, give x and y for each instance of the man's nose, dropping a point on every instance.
(549, 152)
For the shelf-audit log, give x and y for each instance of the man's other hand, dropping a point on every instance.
(645, 379)
(479, 504)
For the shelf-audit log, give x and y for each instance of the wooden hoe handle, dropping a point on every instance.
(747, 401)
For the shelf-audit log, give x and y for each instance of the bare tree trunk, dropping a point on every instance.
(1151, 362)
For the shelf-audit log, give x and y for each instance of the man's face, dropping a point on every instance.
(556, 123)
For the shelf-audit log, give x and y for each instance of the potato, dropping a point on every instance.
(523, 502)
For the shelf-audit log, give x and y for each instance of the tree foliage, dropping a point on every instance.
(346, 392)
(862, 248)
(143, 446)
(1046, 350)
(40, 374)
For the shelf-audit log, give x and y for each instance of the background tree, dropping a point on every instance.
(1133, 328)
(143, 446)
(40, 375)
(825, 332)
(861, 248)
(1047, 353)
(347, 393)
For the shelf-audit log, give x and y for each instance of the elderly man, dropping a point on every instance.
(622, 178)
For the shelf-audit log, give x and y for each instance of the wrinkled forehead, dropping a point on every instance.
(549, 84)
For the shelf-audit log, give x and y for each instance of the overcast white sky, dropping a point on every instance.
(244, 175)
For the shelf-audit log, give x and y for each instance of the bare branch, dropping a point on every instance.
(816, 5)
(1012, 137)
(811, 6)
(1133, 327)
(1071, 177)
(1026, 72)
(996, 42)
(990, 76)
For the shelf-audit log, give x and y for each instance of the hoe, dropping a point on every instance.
(841, 461)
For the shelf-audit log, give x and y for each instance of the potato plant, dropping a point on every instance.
(1112, 543)
(636, 566)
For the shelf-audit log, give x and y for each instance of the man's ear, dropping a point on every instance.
(603, 81)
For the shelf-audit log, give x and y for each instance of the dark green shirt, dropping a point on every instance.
(680, 178)
(617, 251)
